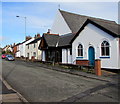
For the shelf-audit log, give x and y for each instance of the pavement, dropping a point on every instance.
(106, 75)
(9, 95)
(45, 83)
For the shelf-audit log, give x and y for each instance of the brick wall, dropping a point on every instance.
(82, 62)
(14, 49)
(98, 67)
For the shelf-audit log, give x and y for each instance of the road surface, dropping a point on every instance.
(38, 84)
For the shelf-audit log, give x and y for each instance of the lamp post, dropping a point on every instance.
(25, 22)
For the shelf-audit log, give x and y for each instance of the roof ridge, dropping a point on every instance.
(103, 20)
(68, 34)
(89, 17)
(50, 34)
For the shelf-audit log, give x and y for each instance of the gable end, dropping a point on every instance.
(97, 25)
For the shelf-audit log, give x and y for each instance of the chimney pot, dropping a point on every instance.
(28, 38)
(38, 35)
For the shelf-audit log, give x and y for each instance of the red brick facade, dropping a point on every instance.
(82, 62)
(98, 67)
(15, 49)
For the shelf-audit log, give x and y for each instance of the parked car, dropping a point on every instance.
(10, 58)
(3, 56)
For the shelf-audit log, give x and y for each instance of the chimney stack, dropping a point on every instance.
(35, 37)
(38, 35)
(14, 44)
(48, 31)
(28, 38)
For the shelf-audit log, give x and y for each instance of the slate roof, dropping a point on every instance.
(34, 41)
(16, 45)
(51, 40)
(58, 41)
(75, 22)
(65, 40)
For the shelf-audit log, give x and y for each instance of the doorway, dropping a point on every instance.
(91, 56)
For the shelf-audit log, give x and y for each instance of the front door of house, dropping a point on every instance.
(58, 56)
(91, 55)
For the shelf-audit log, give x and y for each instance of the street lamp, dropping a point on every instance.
(25, 22)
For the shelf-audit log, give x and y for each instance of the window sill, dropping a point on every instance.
(79, 57)
(105, 57)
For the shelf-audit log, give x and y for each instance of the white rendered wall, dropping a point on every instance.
(28, 50)
(18, 51)
(93, 36)
(23, 53)
(10, 49)
(59, 25)
(24, 47)
(119, 54)
(39, 54)
(21, 49)
(17, 54)
(34, 50)
(31, 50)
(69, 57)
(43, 55)
(66, 57)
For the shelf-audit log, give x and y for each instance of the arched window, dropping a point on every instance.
(105, 48)
(80, 50)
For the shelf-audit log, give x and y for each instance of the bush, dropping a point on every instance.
(3, 52)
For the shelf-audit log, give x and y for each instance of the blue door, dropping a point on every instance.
(91, 55)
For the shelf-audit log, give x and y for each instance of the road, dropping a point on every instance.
(38, 84)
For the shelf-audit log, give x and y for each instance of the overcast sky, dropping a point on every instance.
(40, 16)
